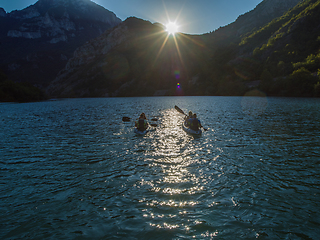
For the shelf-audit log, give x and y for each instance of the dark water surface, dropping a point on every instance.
(71, 169)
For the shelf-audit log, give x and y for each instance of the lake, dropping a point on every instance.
(71, 169)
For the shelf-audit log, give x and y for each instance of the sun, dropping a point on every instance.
(172, 28)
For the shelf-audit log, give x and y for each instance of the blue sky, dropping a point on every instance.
(193, 16)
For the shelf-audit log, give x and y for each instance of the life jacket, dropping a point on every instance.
(195, 124)
(142, 125)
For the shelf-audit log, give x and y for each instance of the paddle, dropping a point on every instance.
(205, 129)
(179, 110)
(182, 112)
(126, 119)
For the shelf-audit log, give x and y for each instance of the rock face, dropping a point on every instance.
(36, 37)
(30, 35)
(100, 46)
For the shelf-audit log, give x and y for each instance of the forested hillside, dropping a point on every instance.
(283, 57)
(19, 92)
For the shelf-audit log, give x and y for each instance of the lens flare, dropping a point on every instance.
(177, 74)
(172, 28)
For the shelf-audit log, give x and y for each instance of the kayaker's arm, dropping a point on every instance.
(205, 129)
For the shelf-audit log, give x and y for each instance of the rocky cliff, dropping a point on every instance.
(37, 42)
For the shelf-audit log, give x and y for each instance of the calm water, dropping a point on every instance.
(71, 169)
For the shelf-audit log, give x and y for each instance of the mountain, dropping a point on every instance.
(283, 57)
(263, 13)
(37, 42)
(2, 12)
(138, 58)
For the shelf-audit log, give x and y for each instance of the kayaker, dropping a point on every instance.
(141, 124)
(195, 123)
(188, 119)
(189, 116)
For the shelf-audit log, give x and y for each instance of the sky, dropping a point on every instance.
(192, 16)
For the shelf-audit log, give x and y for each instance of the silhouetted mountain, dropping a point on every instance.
(138, 58)
(2, 12)
(37, 42)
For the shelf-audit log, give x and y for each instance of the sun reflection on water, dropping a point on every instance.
(176, 181)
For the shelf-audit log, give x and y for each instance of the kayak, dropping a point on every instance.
(136, 131)
(190, 131)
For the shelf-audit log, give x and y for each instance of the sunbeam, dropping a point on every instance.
(172, 28)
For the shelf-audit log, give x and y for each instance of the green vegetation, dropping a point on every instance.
(18, 92)
(284, 55)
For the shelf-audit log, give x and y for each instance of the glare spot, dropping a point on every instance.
(172, 28)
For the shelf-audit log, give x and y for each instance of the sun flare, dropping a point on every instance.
(172, 28)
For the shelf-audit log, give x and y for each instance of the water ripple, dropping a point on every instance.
(71, 169)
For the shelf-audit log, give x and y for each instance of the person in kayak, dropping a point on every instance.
(195, 123)
(142, 124)
(188, 119)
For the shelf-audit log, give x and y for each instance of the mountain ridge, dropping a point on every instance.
(210, 51)
(272, 50)
(42, 37)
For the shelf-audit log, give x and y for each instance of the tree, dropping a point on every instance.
(317, 89)
(317, 86)
(3, 77)
(301, 83)
(266, 81)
